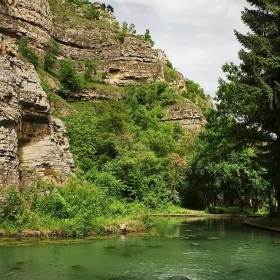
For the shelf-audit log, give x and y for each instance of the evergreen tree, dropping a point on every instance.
(251, 96)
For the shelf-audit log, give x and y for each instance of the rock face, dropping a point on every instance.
(189, 116)
(30, 18)
(126, 60)
(30, 141)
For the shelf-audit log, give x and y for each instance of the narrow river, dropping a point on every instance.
(194, 248)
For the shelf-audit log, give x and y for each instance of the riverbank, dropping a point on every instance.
(254, 220)
(272, 224)
(117, 225)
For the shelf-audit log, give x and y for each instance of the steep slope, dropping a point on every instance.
(126, 58)
(32, 142)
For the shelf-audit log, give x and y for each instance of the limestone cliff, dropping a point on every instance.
(30, 140)
(125, 58)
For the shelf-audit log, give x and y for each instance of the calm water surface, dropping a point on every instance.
(194, 248)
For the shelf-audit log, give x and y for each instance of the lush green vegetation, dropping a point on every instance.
(196, 94)
(130, 163)
(125, 147)
(77, 209)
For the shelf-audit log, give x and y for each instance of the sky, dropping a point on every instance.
(196, 35)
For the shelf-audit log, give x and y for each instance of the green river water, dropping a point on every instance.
(194, 248)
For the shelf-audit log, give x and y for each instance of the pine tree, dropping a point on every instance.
(252, 93)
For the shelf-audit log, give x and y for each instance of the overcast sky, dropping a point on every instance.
(196, 35)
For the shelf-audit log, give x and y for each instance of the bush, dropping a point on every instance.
(90, 12)
(52, 49)
(169, 64)
(68, 76)
(91, 67)
(148, 38)
(49, 61)
(13, 206)
(26, 52)
(53, 204)
(170, 74)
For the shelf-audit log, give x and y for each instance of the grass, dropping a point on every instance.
(269, 222)
(66, 13)
(104, 87)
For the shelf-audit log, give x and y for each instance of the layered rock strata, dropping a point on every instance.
(188, 115)
(130, 60)
(30, 141)
(30, 18)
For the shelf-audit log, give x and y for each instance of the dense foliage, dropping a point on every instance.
(77, 209)
(126, 148)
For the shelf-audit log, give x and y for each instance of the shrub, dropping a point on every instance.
(69, 78)
(169, 64)
(49, 61)
(90, 12)
(148, 38)
(50, 58)
(170, 74)
(91, 67)
(53, 204)
(13, 205)
(26, 52)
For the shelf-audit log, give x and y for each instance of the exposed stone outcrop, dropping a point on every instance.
(188, 115)
(126, 60)
(29, 139)
(94, 94)
(131, 62)
(31, 18)
(179, 82)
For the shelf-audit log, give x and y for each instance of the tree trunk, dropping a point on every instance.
(241, 204)
(256, 204)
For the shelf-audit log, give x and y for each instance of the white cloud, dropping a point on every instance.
(197, 36)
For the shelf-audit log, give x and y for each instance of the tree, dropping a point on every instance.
(220, 170)
(132, 29)
(251, 94)
(103, 6)
(110, 9)
(148, 37)
(69, 78)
